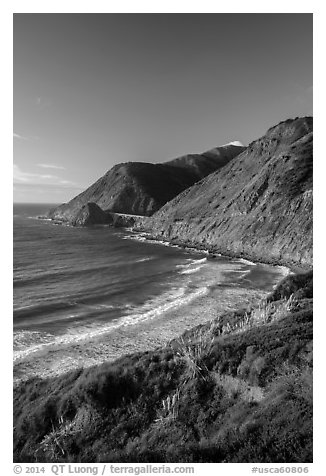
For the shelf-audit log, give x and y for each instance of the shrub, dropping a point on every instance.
(237, 389)
(193, 351)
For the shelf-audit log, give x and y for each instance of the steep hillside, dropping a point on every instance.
(200, 165)
(140, 188)
(258, 206)
(237, 389)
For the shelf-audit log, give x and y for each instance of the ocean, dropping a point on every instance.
(83, 296)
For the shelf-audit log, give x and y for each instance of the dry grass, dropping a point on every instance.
(192, 350)
(265, 313)
(53, 444)
(169, 410)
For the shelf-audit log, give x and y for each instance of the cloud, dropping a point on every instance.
(28, 178)
(51, 166)
(68, 182)
(18, 136)
(22, 177)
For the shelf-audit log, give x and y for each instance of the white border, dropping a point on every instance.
(167, 6)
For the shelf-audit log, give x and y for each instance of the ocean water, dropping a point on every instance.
(86, 295)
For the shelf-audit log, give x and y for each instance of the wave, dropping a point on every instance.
(144, 238)
(37, 309)
(197, 261)
(245, 261)
(190, 271)
(167, 302)
(147, 237)
(66, 271)
(244, 274)
(285, 271)
(141, 260)
(195, 250)
(192, 267)
(100, 306)
(150, 310)
(23, 339)
(42, 218)
(192, 262)
(69, 309)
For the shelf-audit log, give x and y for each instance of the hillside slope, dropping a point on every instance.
(258, 206)
(140, 188)
(237, 389)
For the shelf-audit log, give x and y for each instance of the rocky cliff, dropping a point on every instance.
(258, 206)
(91, 214)
(140, 188)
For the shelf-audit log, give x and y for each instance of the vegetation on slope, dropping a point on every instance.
(258, 206)
(141, 188)
(237, 389)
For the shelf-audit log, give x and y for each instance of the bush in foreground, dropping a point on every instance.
(223, 392)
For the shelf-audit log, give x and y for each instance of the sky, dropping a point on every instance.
(94, 90)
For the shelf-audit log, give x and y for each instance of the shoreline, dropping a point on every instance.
(124, 340)
(152, 333)
(110, 346)
(212, 251)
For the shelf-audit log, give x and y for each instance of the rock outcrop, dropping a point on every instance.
(258, 206)
(139, 188)
(91, 214)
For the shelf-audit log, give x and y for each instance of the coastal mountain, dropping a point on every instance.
(258, 206)
(237, 388)
(140, 188)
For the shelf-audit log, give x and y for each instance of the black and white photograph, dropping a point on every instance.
(162, 239)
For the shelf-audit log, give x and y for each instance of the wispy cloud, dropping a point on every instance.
(51, 166)
(20, 137)
(22, 177)
(68, 182)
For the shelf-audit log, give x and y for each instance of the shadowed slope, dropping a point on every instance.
(140, 188)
